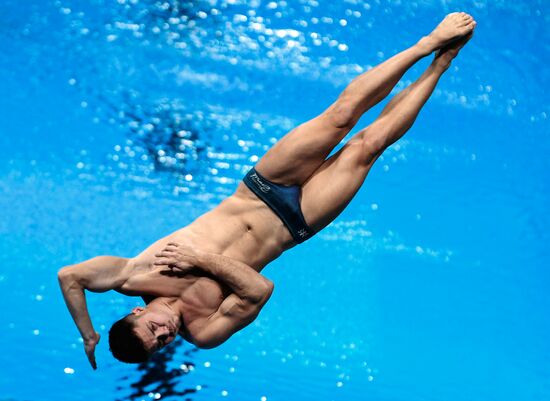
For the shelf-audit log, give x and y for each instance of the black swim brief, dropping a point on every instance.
(283, 200)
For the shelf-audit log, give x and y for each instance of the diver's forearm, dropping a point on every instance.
(75, 299)
(243, 280)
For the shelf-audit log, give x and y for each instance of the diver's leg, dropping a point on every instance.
(298, 154)
(334, 184)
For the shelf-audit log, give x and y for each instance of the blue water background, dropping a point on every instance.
(432, 285)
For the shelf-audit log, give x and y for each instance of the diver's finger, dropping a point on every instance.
(165, 253)
(91, 359)
(164, 261)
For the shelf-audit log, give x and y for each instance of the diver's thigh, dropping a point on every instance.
(294, 158)
(331, 187)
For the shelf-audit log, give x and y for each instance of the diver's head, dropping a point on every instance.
(136, 336)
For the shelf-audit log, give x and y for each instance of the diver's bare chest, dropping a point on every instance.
(201, 291)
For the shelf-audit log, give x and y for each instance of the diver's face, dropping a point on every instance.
(156, 326)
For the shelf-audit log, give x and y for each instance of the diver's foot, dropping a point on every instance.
(446, 54)
(453, 26)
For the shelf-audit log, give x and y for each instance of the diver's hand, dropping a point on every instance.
(182, 257)
(89, 348)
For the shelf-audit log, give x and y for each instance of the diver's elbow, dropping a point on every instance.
(65, 275)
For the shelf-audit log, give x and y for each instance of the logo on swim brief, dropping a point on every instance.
(302, 233)
(263, 187)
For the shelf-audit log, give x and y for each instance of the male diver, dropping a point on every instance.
(203, 281)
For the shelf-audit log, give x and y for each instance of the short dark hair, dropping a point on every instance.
(124, 344)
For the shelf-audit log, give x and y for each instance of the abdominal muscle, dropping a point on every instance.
(242, 227)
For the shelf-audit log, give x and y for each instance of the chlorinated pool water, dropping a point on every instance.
(122, 121)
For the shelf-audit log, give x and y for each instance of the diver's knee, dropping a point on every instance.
(342, 114)
(373, 144)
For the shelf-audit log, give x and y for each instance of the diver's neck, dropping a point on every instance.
(176, 306)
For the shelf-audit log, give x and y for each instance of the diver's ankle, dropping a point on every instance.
(425, 45)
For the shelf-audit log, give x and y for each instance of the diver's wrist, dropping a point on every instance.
(88, 338)
(202, 258)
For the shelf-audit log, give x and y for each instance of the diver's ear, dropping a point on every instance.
(138, 310)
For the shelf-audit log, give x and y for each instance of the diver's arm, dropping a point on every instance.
(99, 274)
(232, 315)
(245, 282)
(250, 289)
